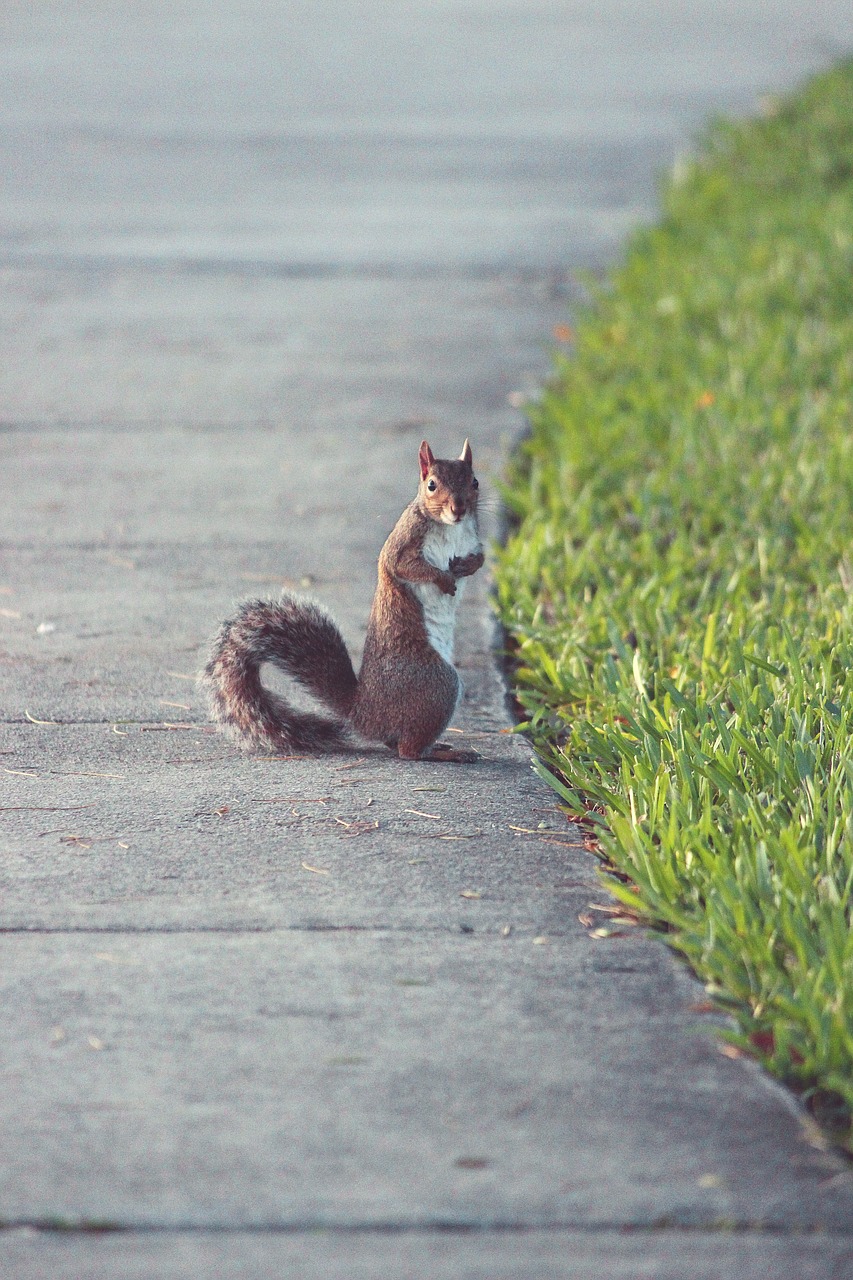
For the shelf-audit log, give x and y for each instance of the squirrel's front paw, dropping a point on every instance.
(447, 583)
(465, 566)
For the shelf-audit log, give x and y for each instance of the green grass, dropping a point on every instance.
(678, 586)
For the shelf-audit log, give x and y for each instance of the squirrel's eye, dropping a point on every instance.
(475, 483)
(431, 486)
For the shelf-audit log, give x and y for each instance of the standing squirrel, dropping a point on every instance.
(407, 689)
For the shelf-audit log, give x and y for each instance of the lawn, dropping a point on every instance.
(677, 584)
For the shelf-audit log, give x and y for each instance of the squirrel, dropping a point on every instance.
(407, 689)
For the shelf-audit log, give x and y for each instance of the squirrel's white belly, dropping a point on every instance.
(441, 545)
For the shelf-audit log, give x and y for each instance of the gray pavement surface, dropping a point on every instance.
(336, 1017)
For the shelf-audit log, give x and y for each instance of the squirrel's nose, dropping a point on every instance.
(457, 510)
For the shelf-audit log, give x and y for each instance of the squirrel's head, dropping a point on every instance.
(448, 488)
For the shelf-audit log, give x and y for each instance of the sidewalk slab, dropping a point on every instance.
(302, 1080)
(167, 830)
(118, 347)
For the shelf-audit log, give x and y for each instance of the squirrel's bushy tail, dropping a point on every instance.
(301, 639)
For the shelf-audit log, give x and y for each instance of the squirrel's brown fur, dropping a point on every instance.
(407, 689)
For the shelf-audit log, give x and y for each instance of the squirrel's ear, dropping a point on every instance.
(466, 454)
(425, 458)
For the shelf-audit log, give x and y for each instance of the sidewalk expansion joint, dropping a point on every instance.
(712, 1226)
(554, 274)
(461, 930)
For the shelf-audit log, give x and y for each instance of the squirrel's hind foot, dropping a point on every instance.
(442, 751)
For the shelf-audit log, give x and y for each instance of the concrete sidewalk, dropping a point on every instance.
(329, 1018)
